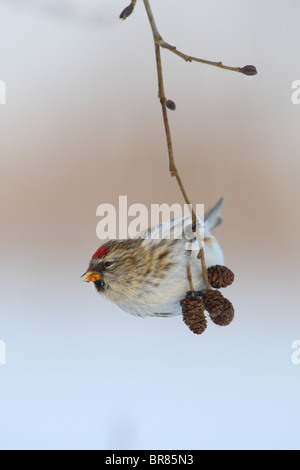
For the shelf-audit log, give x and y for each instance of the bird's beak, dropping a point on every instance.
(91, 276)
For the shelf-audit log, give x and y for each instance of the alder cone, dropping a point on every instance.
(213, 301)
(220, 276)
(193, 312)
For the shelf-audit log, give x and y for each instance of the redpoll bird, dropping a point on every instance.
(147, 275)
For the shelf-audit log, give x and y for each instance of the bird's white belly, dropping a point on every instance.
(164, 300)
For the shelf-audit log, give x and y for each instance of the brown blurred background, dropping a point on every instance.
(82, 125)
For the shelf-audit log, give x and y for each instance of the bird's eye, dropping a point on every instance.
(107, 263)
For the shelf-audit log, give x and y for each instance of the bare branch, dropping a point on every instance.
(158, 43)
(172, 167)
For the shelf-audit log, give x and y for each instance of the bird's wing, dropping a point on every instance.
(212, 218)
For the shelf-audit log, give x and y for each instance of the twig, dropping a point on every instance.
(189, 58)
(163, 101)
(247, 69)
(172, 167)
(189, 276)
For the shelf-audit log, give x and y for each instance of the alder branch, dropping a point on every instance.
(246, 70)
(172, 167)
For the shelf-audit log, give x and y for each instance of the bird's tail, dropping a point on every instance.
(212, 218)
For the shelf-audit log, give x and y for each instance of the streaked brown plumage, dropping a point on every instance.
(147, 275)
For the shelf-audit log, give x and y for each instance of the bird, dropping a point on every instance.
(147, 275)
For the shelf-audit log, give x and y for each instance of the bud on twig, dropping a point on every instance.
(249, 70)
(171, 105)
(193, 312)
(220, 276)
(127, 11)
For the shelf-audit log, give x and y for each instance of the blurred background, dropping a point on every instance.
(81, 126)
